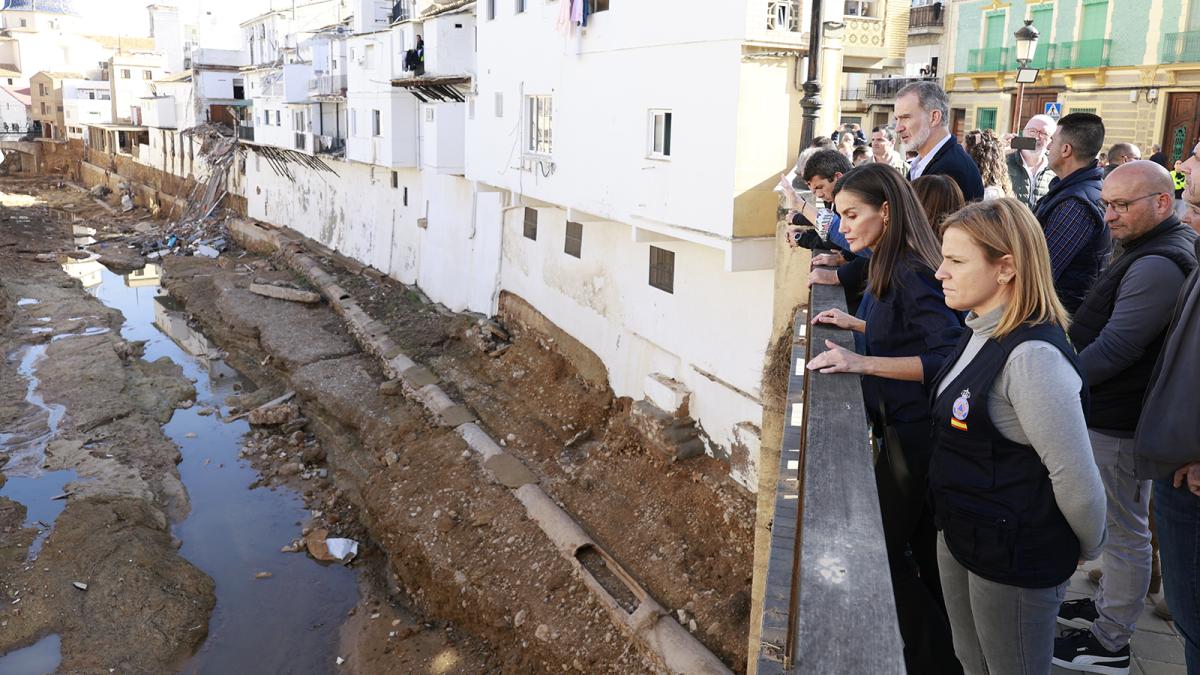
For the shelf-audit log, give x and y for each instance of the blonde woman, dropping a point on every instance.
(1016, 491)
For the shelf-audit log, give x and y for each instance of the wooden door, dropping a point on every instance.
(1183, 126)
(1034, 103)
(958, 120)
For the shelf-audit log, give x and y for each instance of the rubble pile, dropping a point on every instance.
(490, 337)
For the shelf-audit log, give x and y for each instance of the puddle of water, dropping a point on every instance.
(38, 494)
(231, 532)
(24, 302)
(40, 658)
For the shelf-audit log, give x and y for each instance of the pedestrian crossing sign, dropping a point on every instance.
(1054, 110)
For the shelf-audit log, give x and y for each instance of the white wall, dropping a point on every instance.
(214, 84)
(716, 322)
(159, 112)
(454, 258)
(13, 112)
(450, 44)
(642, 57)
(443, 137)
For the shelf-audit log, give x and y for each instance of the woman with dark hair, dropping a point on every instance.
(1017, 493)
(990, 156)
(904, 333)
(939, 196)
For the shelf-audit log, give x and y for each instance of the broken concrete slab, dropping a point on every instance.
(289, 294)
(456, 416)
(508, 471)
(478, 440)
(391, 388)
(418, 376)
(253, 237)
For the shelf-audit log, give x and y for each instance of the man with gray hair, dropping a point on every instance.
(1121, 153)
(1029, 170)
(922, 123)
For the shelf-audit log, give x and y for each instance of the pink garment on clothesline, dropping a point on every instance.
(564, 16)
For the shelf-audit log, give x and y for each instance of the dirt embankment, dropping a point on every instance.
(144, 607)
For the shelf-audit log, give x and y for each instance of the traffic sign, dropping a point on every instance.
(1054, 110)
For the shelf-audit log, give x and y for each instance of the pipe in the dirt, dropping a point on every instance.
(629, 605)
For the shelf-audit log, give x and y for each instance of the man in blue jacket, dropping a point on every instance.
(923, 125)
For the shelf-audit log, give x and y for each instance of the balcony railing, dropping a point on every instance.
(1181, 48)
(929, 16)
(404, 10)
(1043, 57)
(783, 15)
(988, 60)
(1082, 54)
(329, 144)
(887, 88)
(246, 132)
(853, 94)
(328, 85)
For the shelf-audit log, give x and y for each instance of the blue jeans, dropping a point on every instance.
(1177, 517)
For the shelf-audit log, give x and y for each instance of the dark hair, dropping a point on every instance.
(1084, 132)
(860, 151)
(908, 236)
(988, 153)
(887, 131)
(823, 142)
(940, 196)
(826, 164)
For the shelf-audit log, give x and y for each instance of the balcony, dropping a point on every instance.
(404, 10)
(246, 131)
(885, 89)
(328, 86)
(989, 60)
(1181, 48)
(926, 20)
(328, 145)
(853, 94)
(1082, 54)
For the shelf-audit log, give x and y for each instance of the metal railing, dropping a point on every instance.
(404, 10)
(784, 15)
(886, 88)
(328, 85)
(828, 605)
(246, 132)
(1082, 54)
(1181, 47)
(301, 140)
(928, 16)
(990, 59)
(853, 94)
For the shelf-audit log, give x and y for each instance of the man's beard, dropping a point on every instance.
(918, 141)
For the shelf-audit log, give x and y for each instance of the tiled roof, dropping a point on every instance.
(48, 6)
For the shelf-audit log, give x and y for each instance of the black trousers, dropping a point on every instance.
(902, 478)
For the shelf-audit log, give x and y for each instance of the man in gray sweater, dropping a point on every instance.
(1120, 329)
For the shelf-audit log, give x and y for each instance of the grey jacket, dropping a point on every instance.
(1168, 433)
(1020, 181)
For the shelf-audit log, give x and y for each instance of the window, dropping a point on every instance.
(266, 117)
(597, 6)
(353, 122)
(369, 58)
(376, 125)
(406, 196)
(662, 269)
(860, 7)
(520, 6)
(660, 134)
(541, 118)
(146, 74)
(277, 118)
(41, 89)
(429, 114)
(985, 118)
(298, 120)
(531, 218)
(395, 180)
(126, 74)
(574, 246)
(490, 8)
(45, 108)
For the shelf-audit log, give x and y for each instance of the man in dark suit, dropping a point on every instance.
(922, 123)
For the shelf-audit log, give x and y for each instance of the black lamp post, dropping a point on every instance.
(812, 87)
(1027, 39)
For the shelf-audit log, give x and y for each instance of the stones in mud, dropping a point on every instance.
(519, 619)
(290, 469)
(391, 388)
(80, 585)
(276, 415)
(490, 337)
(314, 454)
(291, 428)
(390, 458)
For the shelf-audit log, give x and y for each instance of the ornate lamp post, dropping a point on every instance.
(812, 87)
(1027, 39)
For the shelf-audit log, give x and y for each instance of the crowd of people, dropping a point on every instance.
(1026, 321)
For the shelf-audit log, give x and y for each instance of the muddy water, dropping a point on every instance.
(286, 623)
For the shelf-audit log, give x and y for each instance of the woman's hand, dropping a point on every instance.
(838, 360)
(1189, 476)
(829, 260)
(840, 319)
(823, 277)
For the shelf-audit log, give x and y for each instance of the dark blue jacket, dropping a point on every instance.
(912, 319)
(953, 161)
(1082, 186)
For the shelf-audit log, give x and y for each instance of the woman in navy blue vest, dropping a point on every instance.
(1016, 492)
(904, 333)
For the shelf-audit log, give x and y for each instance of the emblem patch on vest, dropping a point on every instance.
(962, 408)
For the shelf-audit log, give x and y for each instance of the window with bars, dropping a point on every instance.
(662, 269)
(376, 122)
(541, 119)
(146, 74)
(395, 180)
(574, 245)
(597, 6)
(490, 8)
(985, 118)
(520, 6)
(660, 133)
(531, 218)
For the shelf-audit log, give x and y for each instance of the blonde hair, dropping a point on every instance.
(1006, 227)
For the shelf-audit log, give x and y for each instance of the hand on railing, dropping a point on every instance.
(838, 359)
(840, 319)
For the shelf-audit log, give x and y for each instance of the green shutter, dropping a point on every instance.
(986, 119)
(1194, 16)
(1095, 18)
(1043, 21)
(995, 31)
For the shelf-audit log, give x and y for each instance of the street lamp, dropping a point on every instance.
(1027, 39)
(811, 103)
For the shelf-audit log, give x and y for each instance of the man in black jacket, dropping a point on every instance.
(922, 123)
(1070, 213)
(1119, 331)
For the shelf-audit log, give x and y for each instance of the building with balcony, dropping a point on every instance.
(85, 102)
(1135, 64)
(870, 45)
(47, 107)
(16, 105)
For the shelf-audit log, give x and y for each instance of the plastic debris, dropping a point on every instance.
(80, 585)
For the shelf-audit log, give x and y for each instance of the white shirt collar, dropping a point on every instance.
(923, 161)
